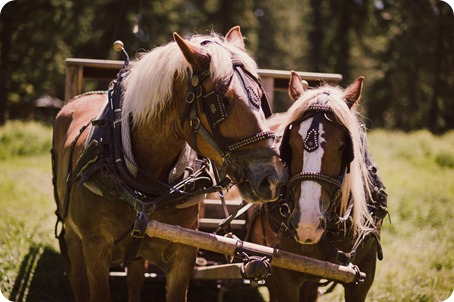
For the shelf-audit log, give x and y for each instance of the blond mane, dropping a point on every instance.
(356, 183)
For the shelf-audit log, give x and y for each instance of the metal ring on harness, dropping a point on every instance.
(359, 275)
(255, 268)
(195, 123)
(284, 209)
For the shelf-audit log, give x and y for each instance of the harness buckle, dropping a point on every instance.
(255, 268)
(190, 97)
(284, 210)
(228, 160)
(195, 124)
(198, 91)
(140, 225)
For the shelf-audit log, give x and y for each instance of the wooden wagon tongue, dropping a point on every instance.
(234, 247)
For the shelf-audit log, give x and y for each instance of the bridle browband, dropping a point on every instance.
(211, 104)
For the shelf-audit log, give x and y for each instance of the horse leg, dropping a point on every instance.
(358, 292)
(309, 291)
(179, 272)
(97, 260)
(76, 269)
(135, 279)
(284, 285)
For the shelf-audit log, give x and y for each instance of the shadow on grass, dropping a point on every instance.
(41, 278)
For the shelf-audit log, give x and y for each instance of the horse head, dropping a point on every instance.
(224, 117)
(321, 147)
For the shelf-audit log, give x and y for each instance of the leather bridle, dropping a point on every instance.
(332, 185)
(211, 104)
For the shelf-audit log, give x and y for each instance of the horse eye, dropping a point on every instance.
(222, 88)
(226, 101)
(341, 147)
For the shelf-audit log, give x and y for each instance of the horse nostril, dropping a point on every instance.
(269, 183)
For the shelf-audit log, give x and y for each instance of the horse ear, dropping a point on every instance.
(297, 86)
(352, 94)
(198, 60)
(235, 37)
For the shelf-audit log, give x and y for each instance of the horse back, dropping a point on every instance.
(69, 123)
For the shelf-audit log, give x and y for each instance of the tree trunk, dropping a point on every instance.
(6, 28)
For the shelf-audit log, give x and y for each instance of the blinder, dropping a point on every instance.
(284, 149)
(213, 106)
(246, 77)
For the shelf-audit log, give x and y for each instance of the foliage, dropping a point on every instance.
(403, 48)
(22, 139)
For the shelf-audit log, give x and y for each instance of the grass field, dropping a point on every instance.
(417, 168)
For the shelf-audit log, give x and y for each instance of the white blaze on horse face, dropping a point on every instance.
(309, 228)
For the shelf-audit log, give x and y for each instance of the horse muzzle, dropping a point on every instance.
(308, 232)
(260, 180)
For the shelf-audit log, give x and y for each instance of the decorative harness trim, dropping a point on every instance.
(314, 176)
(250, 140)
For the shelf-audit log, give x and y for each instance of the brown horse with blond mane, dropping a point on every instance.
(201, 94)
(335, 201)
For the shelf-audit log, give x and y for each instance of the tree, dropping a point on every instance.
(404, 48)
(414, 91)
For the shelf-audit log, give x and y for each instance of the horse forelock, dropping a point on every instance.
(222, 52)
(356, 182)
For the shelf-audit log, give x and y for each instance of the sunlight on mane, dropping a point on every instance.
(356, 182)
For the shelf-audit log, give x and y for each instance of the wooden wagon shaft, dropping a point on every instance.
(229, 246)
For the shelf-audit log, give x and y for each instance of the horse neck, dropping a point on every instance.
(155, 148)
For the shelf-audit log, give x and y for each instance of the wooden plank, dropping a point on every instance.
(213, 223)
(105, 64)
(217, 272)
(74, 81)
(308, 76)
(229, 246)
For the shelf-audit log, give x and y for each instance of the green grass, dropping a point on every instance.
(417, 168)
(26, 202)
(23, 139)
(418, 245)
